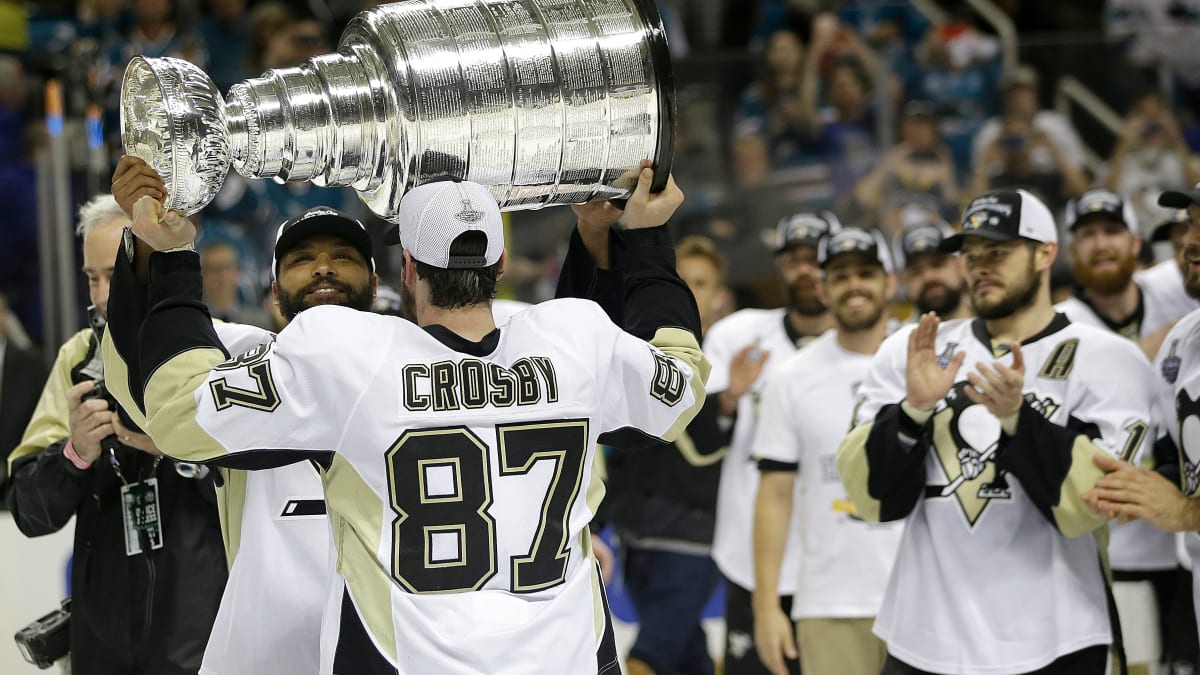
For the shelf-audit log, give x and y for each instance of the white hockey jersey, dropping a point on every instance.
(807, 408)
(995, 571)
(1162, 286)
(1135, 546)
(460, 475)
(733, 536)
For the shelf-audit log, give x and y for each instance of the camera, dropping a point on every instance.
(48, 639)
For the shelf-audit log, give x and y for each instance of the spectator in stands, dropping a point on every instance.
(1020, 91)
(919, 165)
(226, 35)
(1029, 157)
(771, 106)
(22, 375)
(1151, 156)
(266, 20)
(957, 70)
(892, 28)
(222, 273)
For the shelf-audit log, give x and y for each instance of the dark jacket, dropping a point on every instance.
(149, 613)
(21, 381)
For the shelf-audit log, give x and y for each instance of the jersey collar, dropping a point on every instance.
(797, 338)
(1131, 326)
(979, 328)
(460, 344)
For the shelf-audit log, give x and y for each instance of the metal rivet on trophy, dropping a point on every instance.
(543, 101)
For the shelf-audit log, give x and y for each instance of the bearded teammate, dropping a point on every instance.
(270, 624)
(983, 433)
(1104, 252)
(933, 280)
(1131, 492)
(743, 347)
(806, 408)
(459, 456)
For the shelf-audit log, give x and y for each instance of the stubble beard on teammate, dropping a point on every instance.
(1191, 272)
(857, 319)
(1106, 282)
(939, 298)
(292, 304)
(804, 299)
(1015, 297)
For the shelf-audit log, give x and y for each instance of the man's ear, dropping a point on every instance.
(275, 292)
(500, 265)
(410, 270)
(1047, 251)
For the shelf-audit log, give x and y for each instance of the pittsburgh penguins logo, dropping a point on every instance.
(965, 438)
(1187, 411)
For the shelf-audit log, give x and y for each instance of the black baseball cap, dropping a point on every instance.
(1175, 199)
(1162, 231)
(1100, 202)
(868, 244)
(321, 220)
(805, 229)
(1004, 215)
(924, 236)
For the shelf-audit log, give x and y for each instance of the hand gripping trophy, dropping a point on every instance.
(544, 101)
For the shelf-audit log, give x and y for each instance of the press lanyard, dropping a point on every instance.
(140, 510)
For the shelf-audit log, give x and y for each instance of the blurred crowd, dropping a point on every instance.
(871, 109)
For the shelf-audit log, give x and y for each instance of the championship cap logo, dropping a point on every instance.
(469, 213)
(1170, 365)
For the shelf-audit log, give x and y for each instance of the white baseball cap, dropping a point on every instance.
(433, 215)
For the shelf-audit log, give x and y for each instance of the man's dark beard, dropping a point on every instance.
(943, 306)
(1107, 283)
(291, 305)
(854, 325)
(1017, 298)
(408, 304)
(805, 303)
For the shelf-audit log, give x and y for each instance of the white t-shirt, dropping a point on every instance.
(733, 536)
(985, 582)
(807, 408)
(1162, 287)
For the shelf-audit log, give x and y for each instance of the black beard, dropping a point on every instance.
(949, 301)
(805, 304)
(408, 304)
(1016, 299)
(291, 305)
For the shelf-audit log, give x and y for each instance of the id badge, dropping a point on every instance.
(140, 501)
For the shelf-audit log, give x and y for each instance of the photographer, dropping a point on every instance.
(149, 565)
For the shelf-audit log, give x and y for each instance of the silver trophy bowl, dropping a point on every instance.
(543, 101)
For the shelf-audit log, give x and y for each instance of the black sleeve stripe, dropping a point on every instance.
(126, 311)
(253, 460)
(178, 320)
(765, 465)
(1040, 456)
(629, 438)
(580, 278)
(655, 296)
(896, 447)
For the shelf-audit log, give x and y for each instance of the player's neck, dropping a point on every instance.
(472, 323)
(1115, 307)
(809, 324)
(864, 341)
(1023, 323)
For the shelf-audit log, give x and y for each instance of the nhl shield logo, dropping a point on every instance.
(1170, 365)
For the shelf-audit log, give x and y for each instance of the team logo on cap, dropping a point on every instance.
(313, 213)
(469, 213)
(922, 239)
(986, 212)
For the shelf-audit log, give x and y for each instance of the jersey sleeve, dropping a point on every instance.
(650, 388)
(1054, 462)
(882, 460)
(279, 403)
(778, 440)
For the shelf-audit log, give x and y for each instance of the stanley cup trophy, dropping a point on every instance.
(543, 101)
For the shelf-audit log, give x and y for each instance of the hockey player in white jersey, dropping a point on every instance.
(320, 257)
(983, 433)
(1105, 244)
(1171, 502)
(744, 347)
(806, 409)
(458, 456)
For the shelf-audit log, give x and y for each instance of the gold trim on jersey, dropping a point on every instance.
(854, 471)
(681, 344)
(171, 405)
(1061, 361)
(687, 448)
(1073, 517)
(231, 504)
(356, 512)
